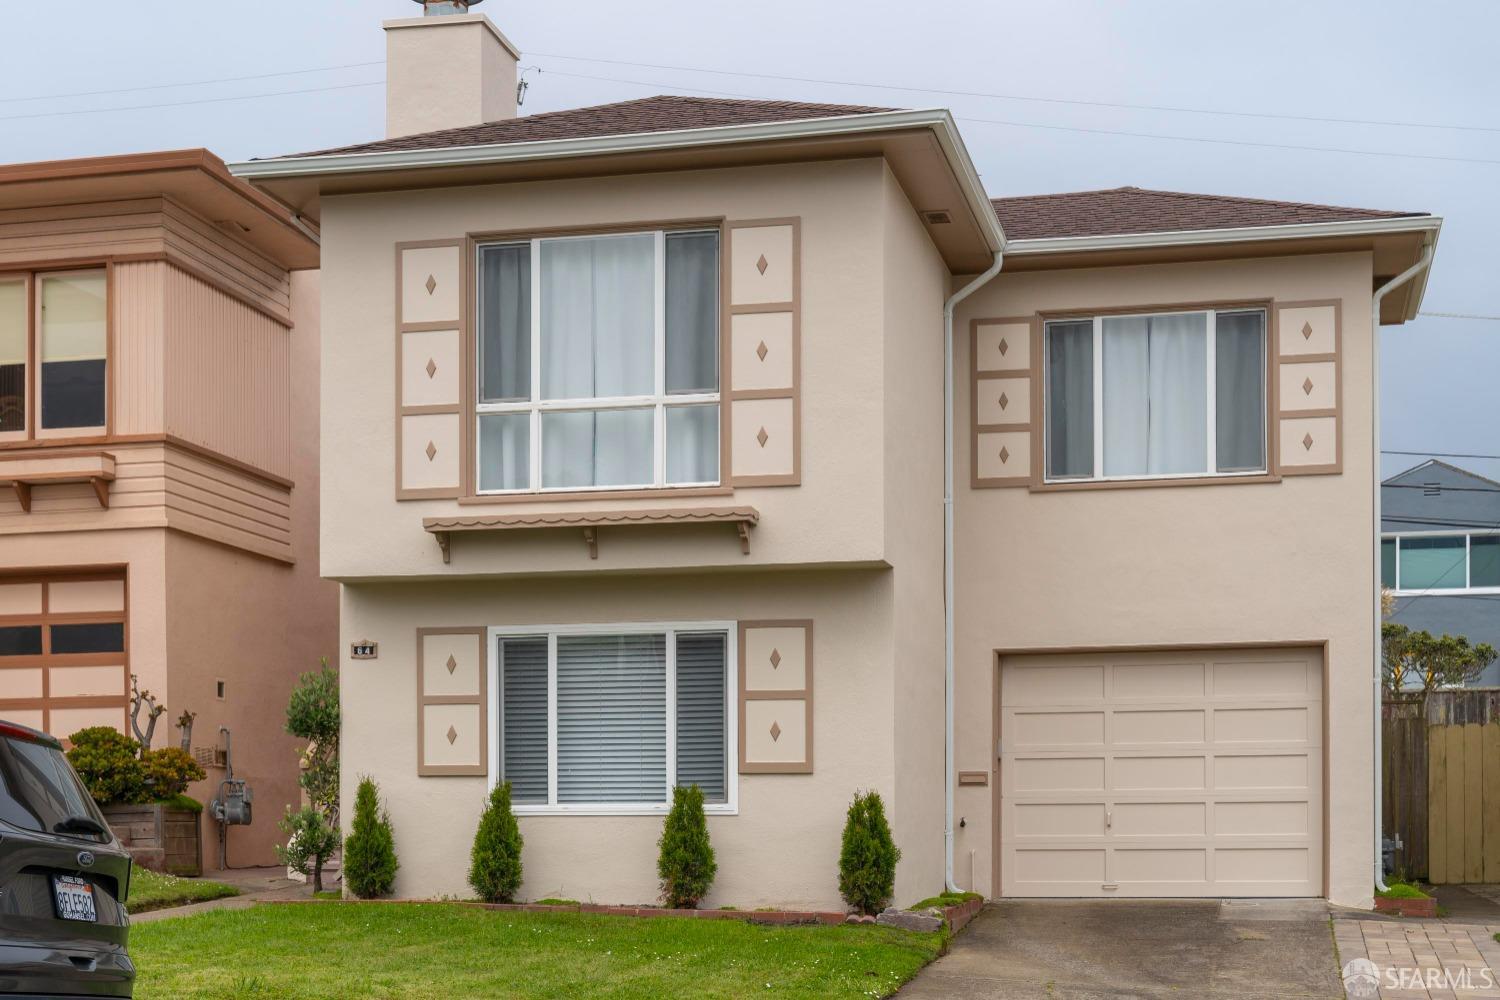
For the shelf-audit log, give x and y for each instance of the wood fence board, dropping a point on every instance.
(1437, 797)
(1473, 737)
(1453, 813)
(1491, 742)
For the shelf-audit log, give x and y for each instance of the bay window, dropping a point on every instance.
(598, 362)
(611, 718)
(53, 354)
(1440, 562)
(1155, 395)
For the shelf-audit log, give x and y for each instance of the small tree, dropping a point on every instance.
(312, 714)
(495, 862)
(143, 701)
(108, 761)
(370, 849)
(686, 863)
(1409, 658)
(170, 770)
(867, 861)
(310, 843)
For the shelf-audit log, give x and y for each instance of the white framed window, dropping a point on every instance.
(1441, 562)
(598, 362)
(1155, 395)
(608, 719)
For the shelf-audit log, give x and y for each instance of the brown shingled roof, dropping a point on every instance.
(1126, 210)
(663, 113)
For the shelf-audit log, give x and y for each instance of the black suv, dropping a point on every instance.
(63, 879)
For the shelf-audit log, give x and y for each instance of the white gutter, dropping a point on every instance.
(949, 777)
(937, 120)
(1429, 245)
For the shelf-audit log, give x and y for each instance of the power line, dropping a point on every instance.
(180, 104)
(1177, 109)
(1441, 488)
(188, 83)
(1479, 316)
(1439, 454)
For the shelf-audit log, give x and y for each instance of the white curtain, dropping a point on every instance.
(598, 317)
(1155, 395)
(597, 448)
(1240, 391)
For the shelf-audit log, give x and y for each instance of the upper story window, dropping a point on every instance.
(598, 362)
(1162, 395)
(53, 354)
(1421, 563)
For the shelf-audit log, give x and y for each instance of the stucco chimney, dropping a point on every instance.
(447, 69)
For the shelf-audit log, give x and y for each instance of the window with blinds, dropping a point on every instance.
(610, 720)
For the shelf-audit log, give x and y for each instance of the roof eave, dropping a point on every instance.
(937, 120)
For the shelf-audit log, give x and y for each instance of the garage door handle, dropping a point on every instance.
(1109, 819)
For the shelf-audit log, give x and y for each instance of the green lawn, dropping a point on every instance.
(426, 950)
(151, 891)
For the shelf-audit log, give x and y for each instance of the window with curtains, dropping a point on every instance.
(610, 719)
(1155, 396)
(1441, 562)
(598, 362)
(53, 354)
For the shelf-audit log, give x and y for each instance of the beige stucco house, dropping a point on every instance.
(158, 462)
(634, 445)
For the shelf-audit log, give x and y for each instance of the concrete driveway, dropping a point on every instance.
(1182, 949)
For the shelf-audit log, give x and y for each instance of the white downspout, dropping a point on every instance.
(948, 775)
(1421, 265)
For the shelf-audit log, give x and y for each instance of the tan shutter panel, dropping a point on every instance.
(1004, 402)
(429, 365)
(452, 714)
(776, 697)
(765, 331)
(1309, 388)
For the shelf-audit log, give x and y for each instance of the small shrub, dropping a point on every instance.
(495, 862)
(867, 861)
(169, 770)
(686, 863)
(370, 849)
(310, 843)
(108, 762)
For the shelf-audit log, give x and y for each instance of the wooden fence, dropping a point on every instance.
(1442, 784)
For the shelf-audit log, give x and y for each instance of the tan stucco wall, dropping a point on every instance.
(781, 849)
(834, 517)
(1274, 562)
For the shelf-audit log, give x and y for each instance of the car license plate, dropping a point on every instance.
(75, 898)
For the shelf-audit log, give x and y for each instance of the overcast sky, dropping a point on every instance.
(1431, 64)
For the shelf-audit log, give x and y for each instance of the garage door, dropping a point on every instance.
(1183, 773)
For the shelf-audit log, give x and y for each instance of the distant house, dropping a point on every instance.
(1440, 553)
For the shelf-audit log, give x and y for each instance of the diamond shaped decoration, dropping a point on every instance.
(1004, 346)
(452, 735)
(1307, 331)
(762, 437)
(1307, 387)
(431, 451)
(1004, 454)
(775, 732)
(431, 284)
(762, 264)
(1004, 401)
(452, 664)
(1307, 442)
(775, 658)
(431, 368)
(762, 351)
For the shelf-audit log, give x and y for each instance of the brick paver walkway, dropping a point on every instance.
(1422, 959)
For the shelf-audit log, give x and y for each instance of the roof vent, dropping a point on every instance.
(1432, 489)
(438, 8)
(937, 218)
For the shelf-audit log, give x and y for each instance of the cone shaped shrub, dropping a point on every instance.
(686, 863)
(495, 862)
(867, 861)
(370, 849)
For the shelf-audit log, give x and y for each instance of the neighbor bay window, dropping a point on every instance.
(1441, 562)
(610, 719)
(1155, 396)
(598, 362)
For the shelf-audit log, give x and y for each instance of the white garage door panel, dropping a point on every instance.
(1189, 773)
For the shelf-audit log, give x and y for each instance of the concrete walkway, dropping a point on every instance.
(1418, 959)
(1148, 949)
(255, 884)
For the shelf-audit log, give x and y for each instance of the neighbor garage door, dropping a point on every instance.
(1182, 773)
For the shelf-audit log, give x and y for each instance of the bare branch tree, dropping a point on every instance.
(185, 723)
(143, 700)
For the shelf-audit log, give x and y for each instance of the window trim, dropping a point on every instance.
(1269, 472)
(1467, 535)
(34, 434)
(496, 705)
(659, 400)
